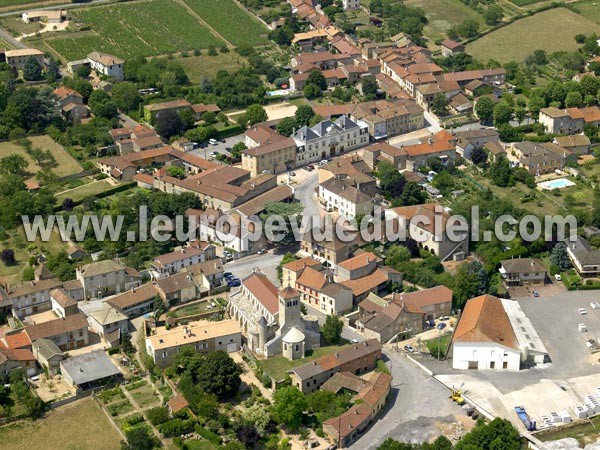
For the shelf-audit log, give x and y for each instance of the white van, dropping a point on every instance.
(213, 141)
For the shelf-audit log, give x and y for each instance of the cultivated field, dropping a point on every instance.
(79, 425)
(65, 164)
(8, 5)
(197, 67)
(230, 21)
(442, 14)
(552, 30)
(147, 28)
(87, 190)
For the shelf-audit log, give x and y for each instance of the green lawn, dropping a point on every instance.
(76, 426)
(154, 27)
(194, 308)
(552, 30)
(278, 366)
(65, 163)
(442, 14)
(442, 344)
(198, 67)
(81, 192)
(590, 9)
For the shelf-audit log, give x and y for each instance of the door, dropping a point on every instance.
(492, 364)
(505, 365)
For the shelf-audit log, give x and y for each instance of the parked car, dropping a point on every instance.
(227, 274)
(582, 311)
(234, 282)
(444, 318)
(441, 326)
(262, 251)
(536, 294)
(409, 348)
(557, 277)
(292, 174)
(582, 328)
(308, 168)
(354, 341)
(213, 154)
(213, 141)
(595, 305)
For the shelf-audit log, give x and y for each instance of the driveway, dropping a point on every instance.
(418, 408)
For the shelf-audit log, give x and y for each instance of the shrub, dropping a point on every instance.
(176, 427)
(158, 415)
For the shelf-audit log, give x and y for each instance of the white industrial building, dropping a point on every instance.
(495, 334)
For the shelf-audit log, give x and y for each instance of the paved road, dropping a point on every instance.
(267, 263)
(305, 194)
(6, 36)
(127, 121)
(418, 405)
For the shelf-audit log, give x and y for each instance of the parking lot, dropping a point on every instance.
(220, 147)
(573, 372)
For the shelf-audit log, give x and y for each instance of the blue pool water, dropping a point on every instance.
(556, 184)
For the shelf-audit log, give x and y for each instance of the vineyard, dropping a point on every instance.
(137, 29)
(230, 21)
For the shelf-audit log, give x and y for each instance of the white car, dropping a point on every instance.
(213, 141)
(595, 305)
(557, 277)
(582, 311)
(213, 154)
(582, 328)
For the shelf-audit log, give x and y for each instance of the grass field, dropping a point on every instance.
(230, 21)
(77, 426)
(590, 9)
(197, 67)
(146, 28)
(552, 30)
(525, 2)
(65, 164)
(81, 192)
(442, 14)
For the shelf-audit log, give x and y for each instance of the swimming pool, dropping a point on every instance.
(559, 183)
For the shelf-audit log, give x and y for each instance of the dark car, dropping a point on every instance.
(234, 282)
(441, 326)
(227, 275)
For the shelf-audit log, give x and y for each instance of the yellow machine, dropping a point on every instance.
(457, 397)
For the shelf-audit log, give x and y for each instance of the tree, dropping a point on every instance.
(102, 105)
(286, 126)
(519, 115)
(139, 438)
(439, 105)
(502, 113)
(499, 172)
(68, 204)
(332, 329)
(484, 109)
(538, 57)
(13, 165)
(288, 212)
(311, 91)
(493, 15)
(176, 172)
(391, 181)
(52, 71)
(396, 255)
(8, 257)
(303, 115)
(32, 69)
(288, 407)
(219, 375)
(469, 28)
(258, 416)
(369, 87)
(318, 79)
(573, 100)
(412, 194)
(125, 95)
(594, 66)
(255, 114)
(168, 123)
(444, 182)
(559, 257)
(479, 156)
(536, 103)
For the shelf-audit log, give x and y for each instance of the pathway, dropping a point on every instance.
(139, 409)
(248, 376)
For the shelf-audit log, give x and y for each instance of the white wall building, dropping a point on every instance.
(328, 139)
(351, 4)
(486, 339)
(106, 64)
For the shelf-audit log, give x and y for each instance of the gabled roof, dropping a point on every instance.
(301, 264)
(523, 265)
(101, 267)
(135, 296)
(485, 320)
(312, 279)
(107, 316)
(177, 255)
(62, 298)
(265, 292)
(89, 367)
(57, 326)
(46, 348)
(105, 59)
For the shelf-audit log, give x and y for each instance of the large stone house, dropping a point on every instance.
(102, 278)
